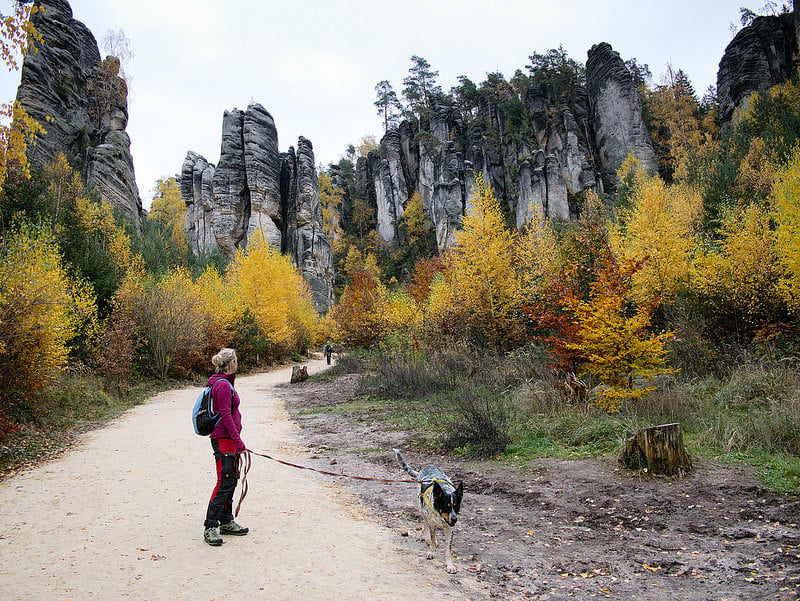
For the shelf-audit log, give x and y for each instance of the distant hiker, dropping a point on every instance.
(327, 350)
(226, 441)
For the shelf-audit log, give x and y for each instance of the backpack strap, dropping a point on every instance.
(211, 403)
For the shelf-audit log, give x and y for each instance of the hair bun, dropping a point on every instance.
(223, 357)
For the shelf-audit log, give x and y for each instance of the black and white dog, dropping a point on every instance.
(439, 503)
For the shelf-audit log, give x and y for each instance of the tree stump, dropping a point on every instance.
(657, 450)
(299, 374)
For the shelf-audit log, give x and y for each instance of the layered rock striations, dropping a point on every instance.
(82, 104)
(254, 187)
(761, 55)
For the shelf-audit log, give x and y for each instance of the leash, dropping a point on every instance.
(243, 462)
(246, 462)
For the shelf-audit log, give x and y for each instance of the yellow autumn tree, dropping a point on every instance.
(167, 313)
(786, 214)
(757, 170)
(270, 288)
(741, 273)
(168, 212)
(614, 341)
(217, 298)
(89, 236)
(366, 144)
(98, 221)
(41, 310)
(442, 315)
(220, 308)
(537, 258)
(360, 316)
(402, 313)
(64, 186)
(413, 222)
(660, 225)
(678, 130)
(358, 262)
(331, 200)
(481, 266)
(17, 35)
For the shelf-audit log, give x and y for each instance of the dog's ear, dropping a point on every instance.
(437, 491)
(459, 495)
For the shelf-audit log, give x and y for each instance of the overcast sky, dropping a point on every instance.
(313, 64)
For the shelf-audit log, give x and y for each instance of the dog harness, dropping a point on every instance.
(426, 493)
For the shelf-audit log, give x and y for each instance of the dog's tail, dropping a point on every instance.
(404, 465)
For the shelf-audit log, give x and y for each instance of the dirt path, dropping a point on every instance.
(121, 516)
(556, 530)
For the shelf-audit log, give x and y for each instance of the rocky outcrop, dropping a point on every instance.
(253, 188)
(197, 190)
(306, 241)
(230, 216)
(263, 169)
(82, 104)
(535, 165)
(760, 56)
(616, 113)
(391, 189)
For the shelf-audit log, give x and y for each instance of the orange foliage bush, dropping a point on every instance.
(360, 314)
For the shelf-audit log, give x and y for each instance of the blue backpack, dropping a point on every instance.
(204, 420)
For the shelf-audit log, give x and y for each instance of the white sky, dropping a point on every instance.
(313, 64)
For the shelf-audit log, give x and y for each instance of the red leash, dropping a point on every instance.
(245, 467)
(302, 467)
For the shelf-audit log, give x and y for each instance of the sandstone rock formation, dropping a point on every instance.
(616, 112)
(254, 187)
(537, 164)
(562, 146)
(761, 55)
(305, 239)
(82, 104)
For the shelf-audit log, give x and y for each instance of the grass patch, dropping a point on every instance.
(776, 471)
(476, 403)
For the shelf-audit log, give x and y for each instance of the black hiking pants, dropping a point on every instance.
(220, 507)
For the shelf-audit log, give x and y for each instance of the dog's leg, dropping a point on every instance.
(448, 550)
(431, 541)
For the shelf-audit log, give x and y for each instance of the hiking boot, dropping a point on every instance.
(211, 537)
(233, 528)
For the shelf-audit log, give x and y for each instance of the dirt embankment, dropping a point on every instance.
(557, 529)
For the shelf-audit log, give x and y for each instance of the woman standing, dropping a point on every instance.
(226, 441)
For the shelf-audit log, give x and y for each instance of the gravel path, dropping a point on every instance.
(120, 516)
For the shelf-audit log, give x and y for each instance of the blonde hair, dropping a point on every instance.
(222, 359)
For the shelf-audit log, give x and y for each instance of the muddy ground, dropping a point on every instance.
(567, 529)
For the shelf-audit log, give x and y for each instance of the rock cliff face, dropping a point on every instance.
(561, 147)
(536, 163)
(254, 187)
(86, 104)
(761, 55)
(616, 112)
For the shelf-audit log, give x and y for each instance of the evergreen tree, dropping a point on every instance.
(556, 70)
(466, 95)
(420, 87)
(387, 103)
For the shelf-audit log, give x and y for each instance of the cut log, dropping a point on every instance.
(299, 374)
(657, 450)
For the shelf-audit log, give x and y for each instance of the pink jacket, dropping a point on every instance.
(226, 402)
